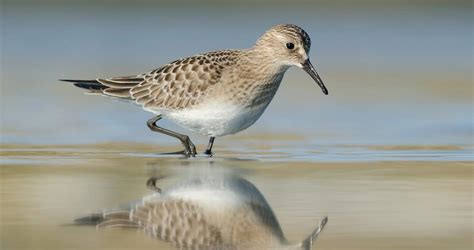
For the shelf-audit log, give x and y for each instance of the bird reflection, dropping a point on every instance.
(208, 212)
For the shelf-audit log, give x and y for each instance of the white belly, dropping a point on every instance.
(214, 119)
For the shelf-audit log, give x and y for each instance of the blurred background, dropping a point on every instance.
(398, 72)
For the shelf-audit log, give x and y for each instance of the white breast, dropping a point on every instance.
(217, 119)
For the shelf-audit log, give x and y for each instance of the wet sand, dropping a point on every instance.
(402, 204)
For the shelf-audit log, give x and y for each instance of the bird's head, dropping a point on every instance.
(289, 45)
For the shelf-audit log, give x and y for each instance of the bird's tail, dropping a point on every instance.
(114, 87)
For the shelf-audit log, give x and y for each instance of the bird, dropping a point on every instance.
(224, 212)
(217, 93)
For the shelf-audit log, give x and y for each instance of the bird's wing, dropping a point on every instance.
(179, 222)
(181, 84)
(120, 86)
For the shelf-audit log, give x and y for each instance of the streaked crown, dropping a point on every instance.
(295, 32)
(291, 31)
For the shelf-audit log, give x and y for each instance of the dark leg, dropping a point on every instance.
(209, 146)
(151, 184)
(189, 148)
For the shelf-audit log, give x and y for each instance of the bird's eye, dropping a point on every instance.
(290, 45)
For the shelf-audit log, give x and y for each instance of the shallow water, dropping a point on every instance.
(410, 203)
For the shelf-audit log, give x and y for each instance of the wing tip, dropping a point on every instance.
(92, 219)
(78, 81)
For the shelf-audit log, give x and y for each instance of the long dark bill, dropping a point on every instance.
(308, 67)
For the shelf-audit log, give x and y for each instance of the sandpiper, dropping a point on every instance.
(208, 212)
(216, 93)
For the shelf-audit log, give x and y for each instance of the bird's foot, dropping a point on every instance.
(208, 152)
(189, 148)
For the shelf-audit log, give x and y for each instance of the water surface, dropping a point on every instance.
(408, 203)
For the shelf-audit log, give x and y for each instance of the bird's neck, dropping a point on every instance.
(261, 63)
(259, 76)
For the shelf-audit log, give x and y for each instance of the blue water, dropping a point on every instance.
(396, 74)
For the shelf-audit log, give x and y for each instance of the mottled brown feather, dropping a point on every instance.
(121, 93)
(123, 84)
(176, 85)
(182, 83)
